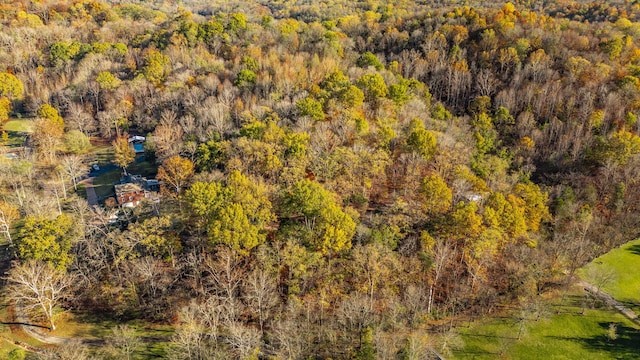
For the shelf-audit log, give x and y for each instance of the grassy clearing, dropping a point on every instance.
(6, 348)
(9, 330)
(144, 168)
(19, 125)
(570, 331)
(17, 129)
(103, 183)
(154, 338)
(616, 272)
(102, 154)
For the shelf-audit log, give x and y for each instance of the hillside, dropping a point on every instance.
(297, 179)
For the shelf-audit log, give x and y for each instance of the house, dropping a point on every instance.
(129, 194)
(132, 189)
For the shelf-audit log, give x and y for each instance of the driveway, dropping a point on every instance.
(92, 197)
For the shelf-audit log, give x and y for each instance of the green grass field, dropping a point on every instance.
(572, 330)
(17, 129)
(103, 183)
(616, 272)
(19, 125)
(102, 154)
(154, 338)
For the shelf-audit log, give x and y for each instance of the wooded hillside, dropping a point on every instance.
(338, 179)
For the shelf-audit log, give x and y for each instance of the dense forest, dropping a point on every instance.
(338, 179)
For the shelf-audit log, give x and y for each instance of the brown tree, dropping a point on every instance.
(176, 172)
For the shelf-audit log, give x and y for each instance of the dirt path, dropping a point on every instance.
(37, 331)
(592, 289)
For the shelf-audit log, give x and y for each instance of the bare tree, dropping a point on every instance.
(78, 118)
(71, 351)
(37, 285)
(167, 138)
(290, 337)
(8, 214)
(261, 294)
(442, 252)
(600, 277)
(244, 340)
(193, 339)
(355, 313)
(74, 168)
(418, 346)
(124, 341)
(226, 275)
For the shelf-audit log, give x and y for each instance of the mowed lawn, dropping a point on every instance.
(572, 329)
(19, 125)
(617, 272)
(17, 129)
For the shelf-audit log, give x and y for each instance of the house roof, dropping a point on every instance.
(136, 138)
(126, 188)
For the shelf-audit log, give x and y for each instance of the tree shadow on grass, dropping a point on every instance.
(571, 304)
(626, 345)
(634, 249)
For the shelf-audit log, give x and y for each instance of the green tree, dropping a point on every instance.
(210, 155)
(76, 142)
(437, 195)
(373, 86)
(310, 107)
(156, 67)
(210, 30)
(296, 144)
(235, 214)
(421, 140)
(506, 214)
(335, 83)
(189, 30)
(254, 130)
(233, 228)
(206, 199)
(620, 147)
(47, 240)
(368, 59)
(107, 81)
(329, 228)
(237, 22)
(245, 78)
(465, 221)
(253, 198)
(62, 51)
(157, 236)
(399, 93)
(366, 350)
(535, 204)
(123, 153)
